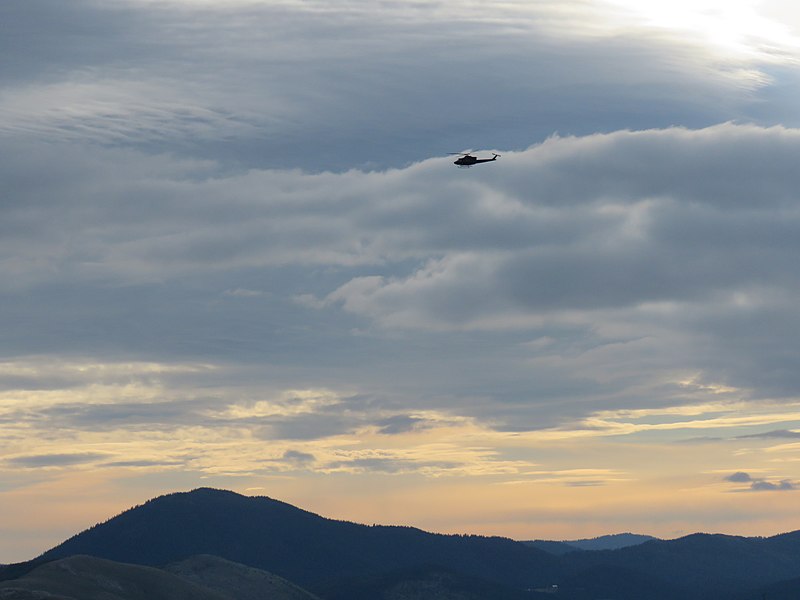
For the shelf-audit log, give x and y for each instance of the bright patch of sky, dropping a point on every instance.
(748, 29)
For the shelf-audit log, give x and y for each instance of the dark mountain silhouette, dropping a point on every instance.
(337, 559)
(300, 546)
(611, 542)
(426, 583)
(619, 583)
(552, 547)
(782, 590)
(604, 542)
(703, 565)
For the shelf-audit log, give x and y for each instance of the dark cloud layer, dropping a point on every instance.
(775, 434)
(400, 424)
(686, 238)
(55, 460)
(333, 86)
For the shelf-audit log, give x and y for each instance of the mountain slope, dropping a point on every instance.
(90, 578)
(298, 545)
(426, 583)
(704, 565)
(551, 547)
(783, 590)
(610, 542)
(238, 581)
(604, 542)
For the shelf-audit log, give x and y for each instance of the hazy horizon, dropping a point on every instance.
(236, 254)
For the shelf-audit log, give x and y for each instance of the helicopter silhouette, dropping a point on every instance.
(467, 160)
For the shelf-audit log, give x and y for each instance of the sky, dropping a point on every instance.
(235, 253)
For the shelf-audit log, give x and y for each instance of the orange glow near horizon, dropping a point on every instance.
(636, 471)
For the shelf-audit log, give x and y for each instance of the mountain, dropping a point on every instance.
(16, 570)
(337, 559)
(552, 547)
(300, 546)
(90, 578)
(702, 565)
(605, 542)
(611, 542)
(237, 581)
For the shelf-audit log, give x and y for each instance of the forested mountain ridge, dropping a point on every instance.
(338, 559)
(302, 547)
(706, 563)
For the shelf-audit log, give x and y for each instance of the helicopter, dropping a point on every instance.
(467, 160)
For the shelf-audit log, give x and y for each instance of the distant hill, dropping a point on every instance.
(238, 581)
(16, 570)
(605, 542)
(704, 565)
(90, 578)
(212, 578)
(611, 542)
(300, 546)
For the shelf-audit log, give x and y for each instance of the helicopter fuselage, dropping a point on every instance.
(468, 160)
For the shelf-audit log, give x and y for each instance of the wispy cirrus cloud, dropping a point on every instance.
(775, 434)
(35, 461)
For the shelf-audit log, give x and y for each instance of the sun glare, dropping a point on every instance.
(734, 28)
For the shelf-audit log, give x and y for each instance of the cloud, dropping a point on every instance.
(146, 464)
(587, 483)
(297, 458)
(390, 465)
(624, 233)
(165, 415)
(767, 486)
(633, 254)
(36, 461)
(774, 434)
(400, 424)
(761, 484)
(332, 86)
(243, 293)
